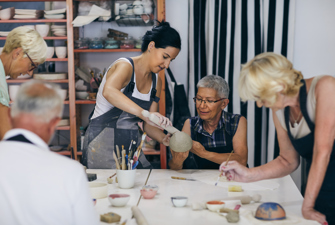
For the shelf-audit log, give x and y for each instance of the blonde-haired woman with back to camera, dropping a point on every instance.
(304, 116)
(24, 50)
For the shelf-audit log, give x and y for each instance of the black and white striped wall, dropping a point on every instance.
(223, 34)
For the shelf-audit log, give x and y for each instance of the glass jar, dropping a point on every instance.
(127, 44)
(110, 43)
(81, 44)
(96, 43)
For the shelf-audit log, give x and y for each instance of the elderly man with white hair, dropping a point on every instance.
(23, 51)
(215, 132)
(38, 186)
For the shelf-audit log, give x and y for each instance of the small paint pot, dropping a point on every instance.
(149, 191)
(179, 201)
(215, 205)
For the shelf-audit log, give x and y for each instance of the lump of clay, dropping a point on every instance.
(233, 217)
(180, 142)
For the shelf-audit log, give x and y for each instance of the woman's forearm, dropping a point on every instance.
(4, 120)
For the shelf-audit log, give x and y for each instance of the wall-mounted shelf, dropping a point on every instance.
(45, 38)
(106, 50)
(35, 21)
(63, 128)
(26, 80)
(57, 59)
(85, 102)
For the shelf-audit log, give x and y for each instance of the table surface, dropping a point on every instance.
(160, 210)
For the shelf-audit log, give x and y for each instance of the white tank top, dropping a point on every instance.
(102, 105)
(302, 129)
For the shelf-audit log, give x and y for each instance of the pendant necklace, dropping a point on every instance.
(295, 120)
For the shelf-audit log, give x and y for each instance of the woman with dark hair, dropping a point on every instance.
(130, 86)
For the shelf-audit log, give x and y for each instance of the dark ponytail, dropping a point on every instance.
(163, 35)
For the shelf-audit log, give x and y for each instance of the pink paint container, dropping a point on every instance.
(149, 191)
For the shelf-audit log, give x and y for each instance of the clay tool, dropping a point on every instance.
(182, 178)
(118, 152)
(180, 141)
(123, 153)
(225, 165)
(117, 164)
(132, 149)
(131, 164)
(112, 175)
(131, 143)
(134, 165)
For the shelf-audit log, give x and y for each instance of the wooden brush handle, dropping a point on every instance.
(178, 178)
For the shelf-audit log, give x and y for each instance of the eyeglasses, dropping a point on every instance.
(33, 65)
(198, 101)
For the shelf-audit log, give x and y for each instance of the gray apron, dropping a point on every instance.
(115, 127)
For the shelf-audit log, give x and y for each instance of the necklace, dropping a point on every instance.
(295, 120)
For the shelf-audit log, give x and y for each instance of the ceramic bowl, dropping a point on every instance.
(60, 51)
(7, 14)
(118, 200)
(149, 191)
(270, 211)
(215, 205)
(42, 29)
(62, 93)
(82, 95)
(13, 89)
(98, 190)
(179, 201)
(50, 52)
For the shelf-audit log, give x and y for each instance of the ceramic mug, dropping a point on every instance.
(50, 52)
(61, 51)
(126, 178)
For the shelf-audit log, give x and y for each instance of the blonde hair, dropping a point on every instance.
(29, 40)
(266, 75)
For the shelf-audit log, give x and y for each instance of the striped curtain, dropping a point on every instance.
(223, 34)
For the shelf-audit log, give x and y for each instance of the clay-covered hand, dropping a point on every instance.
(198, 149)
(235, 171)
(163, 121)
(166, 140)
(311, 214)
(179, 157)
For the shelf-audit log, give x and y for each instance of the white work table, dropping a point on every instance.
(160, 210)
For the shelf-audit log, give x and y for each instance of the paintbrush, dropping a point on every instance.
(116, 161)
(139, 148)
(225, 165)
(123, 155)
(118, 153)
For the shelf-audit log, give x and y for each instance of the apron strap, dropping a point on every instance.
(153, 96)
(131, 85)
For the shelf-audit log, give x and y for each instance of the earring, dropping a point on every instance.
(149, 50)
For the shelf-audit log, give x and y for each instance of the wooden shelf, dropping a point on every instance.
(151, 152)
(57, 59)
(35, 1)
(106, 50)
(85, 102)
(64, 152)
(63, 128)
(35, 21)
(26, 80)
(45, 38)
(80, 153)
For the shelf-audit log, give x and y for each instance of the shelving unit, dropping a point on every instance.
(69, 60)
(160, 6)
(74, 105)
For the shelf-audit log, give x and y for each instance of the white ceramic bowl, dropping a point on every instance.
(7, 14)
(62, 93)
(179, 201)
(30, 26)
(118, 200)
(98, 190)
(82, 94)
(50, 52)
(13, 89)
(61, 51)
(42, 29)
(215, 205)
(80, 85)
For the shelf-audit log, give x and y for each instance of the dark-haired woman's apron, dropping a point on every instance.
(115, 127)
(325, 202)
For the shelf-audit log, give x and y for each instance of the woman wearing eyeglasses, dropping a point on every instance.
(23, 51)
(215, 132)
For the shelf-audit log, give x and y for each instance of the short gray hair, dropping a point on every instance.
(29, 40)
(215, 82)
(39, 99)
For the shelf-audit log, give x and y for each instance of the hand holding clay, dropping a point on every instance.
(179, 142)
